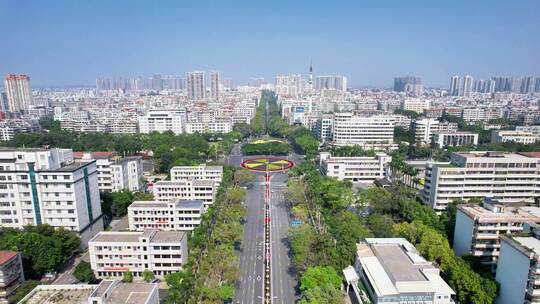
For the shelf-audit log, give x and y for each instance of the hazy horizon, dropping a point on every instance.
(64, 43)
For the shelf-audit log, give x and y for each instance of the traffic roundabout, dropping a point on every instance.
(267, 164)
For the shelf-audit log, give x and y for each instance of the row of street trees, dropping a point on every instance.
(326, 242)
(212, 268)
(334, 221)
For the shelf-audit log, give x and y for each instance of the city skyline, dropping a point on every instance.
(66, 44)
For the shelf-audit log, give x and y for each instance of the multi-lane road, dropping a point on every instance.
(250, 285)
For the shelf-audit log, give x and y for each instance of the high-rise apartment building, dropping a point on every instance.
(256, 82)
(331, 82)
(45, 186)
(289, 85)
(196, 85)
(409, 84)
(215, 81)
(18, 92)
(454, 85)
(467, 88)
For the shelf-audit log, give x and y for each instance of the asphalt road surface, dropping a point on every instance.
(283, 280)
(250, 285)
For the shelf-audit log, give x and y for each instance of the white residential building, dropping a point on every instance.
(416, 105)
(176, 215)
(506, 177)
(361, 169)
(216, 126)
(204, 190)
(201, 172)
(116, 173)
(11, 274)
(372, 131)
(480, 114)
(162, 121)
(518, 270)
(323, 127)
(454, 139)
(424, 130)
(530, 129)
(289, 85)
(114, 253)
(520, 137)
(478, 229)
(40, 186)
(392, 271)
(106, 292)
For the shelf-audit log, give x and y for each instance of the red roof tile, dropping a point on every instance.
(6, 256)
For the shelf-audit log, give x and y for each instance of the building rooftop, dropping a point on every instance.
(72, 167)
(155, 236)
(529, 242)
(492, 155)
(393, 266)
(197, 167)
(132, 293)
(194, 182)
(149, 204)
(93, 155)
(168, 237)
(397, 264)
(531, 154)
(5, 256)
(113, 237)
(188, 204)
(59, 294)
(502, 214)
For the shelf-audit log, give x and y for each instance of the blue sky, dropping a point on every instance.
(73, 42)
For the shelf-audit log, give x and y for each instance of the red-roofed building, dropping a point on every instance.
(11, 274)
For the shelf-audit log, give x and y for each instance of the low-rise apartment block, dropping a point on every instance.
(425, 129)
(162, 121)
(361, 169)
(175, 215)
(203, 190)
(11, 274)
(116, 173)
(455, 139)
(392, 271)
(201, 172)
(519, 137)
(518, 270)
(45, 186)
(372, 131)
(114, 253)
(530, 129)
(478, 229)
(106, 292)
(505, 177)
